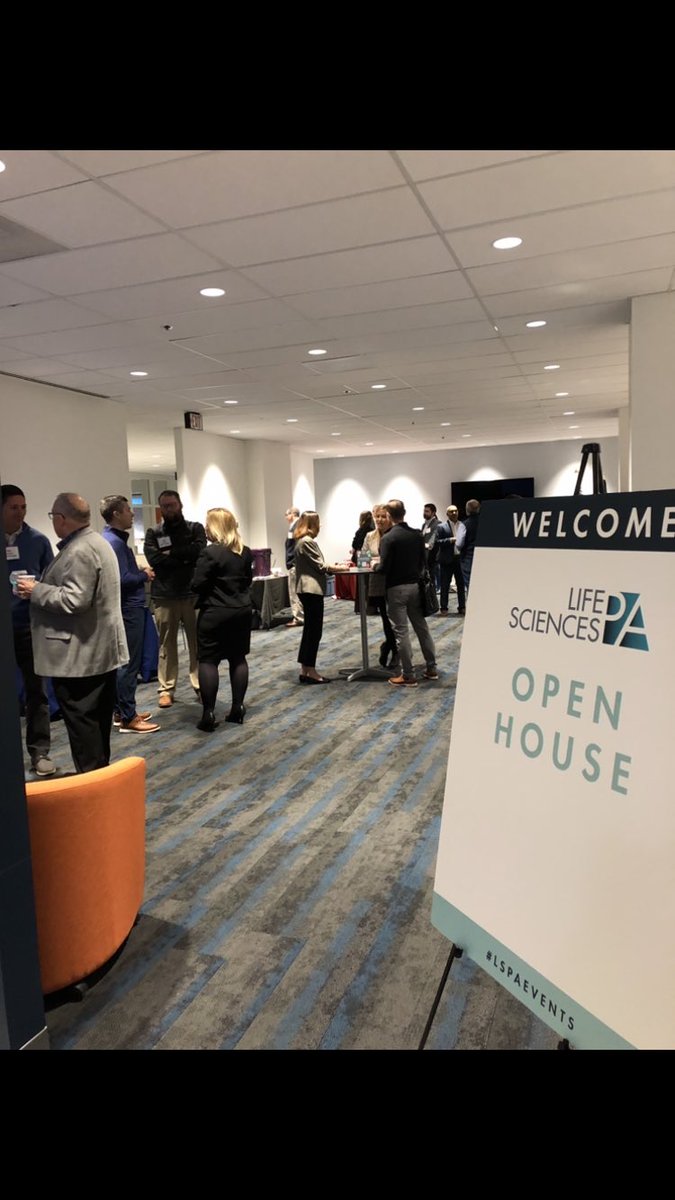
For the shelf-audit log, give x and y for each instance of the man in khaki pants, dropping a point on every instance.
(172, 549)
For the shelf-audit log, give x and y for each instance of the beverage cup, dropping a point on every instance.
(17, 576)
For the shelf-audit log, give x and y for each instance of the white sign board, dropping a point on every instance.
(556, 859)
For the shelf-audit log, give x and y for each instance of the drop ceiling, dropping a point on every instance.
(382, 258)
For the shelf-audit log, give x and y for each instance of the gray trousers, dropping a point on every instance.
(403, 602)
(294, 599)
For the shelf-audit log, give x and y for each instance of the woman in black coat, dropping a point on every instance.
(366, 525)
(222, 581)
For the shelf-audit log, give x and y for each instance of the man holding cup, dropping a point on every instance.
(28, 554)
(77, 628)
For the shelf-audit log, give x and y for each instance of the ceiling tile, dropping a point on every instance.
(80, 215)
(347, 268)
(30, 171)
(137, 261)
(550, 182)
(239, 183)
(430, 164)
(364, 220)
(106, 162)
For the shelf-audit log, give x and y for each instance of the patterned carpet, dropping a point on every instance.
(290, 870)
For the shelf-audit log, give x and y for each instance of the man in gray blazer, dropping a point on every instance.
(78, 631)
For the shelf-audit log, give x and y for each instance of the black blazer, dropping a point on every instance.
(222, 579)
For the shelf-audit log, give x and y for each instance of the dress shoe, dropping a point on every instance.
(293, 624)
(401, 681)
(236, 714)
(443, 612)
(311, 679)
(461, 612)
(208, 722)
(138, 724)
(43, 766)
(117, 717)
(165, 700)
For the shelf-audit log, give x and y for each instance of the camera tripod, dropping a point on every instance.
(591, 450)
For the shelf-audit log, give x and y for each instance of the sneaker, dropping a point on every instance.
(117, 717)
(401, 681)
(165, 700)
(430, 673)
(138, 725)
(43, 766)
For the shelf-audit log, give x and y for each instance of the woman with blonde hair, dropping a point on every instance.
(310, 580)
(222, 581)
(376, 588)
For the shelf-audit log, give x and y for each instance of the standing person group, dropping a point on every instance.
(222, 581)
(172, 549)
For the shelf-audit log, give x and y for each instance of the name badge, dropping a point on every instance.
(163, 542)
(12, 552)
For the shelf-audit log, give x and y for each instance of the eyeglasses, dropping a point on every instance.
(54, 514)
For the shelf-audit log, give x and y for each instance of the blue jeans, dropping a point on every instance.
(127, 676)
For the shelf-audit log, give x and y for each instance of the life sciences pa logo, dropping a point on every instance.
(624, 622)
(588, 614)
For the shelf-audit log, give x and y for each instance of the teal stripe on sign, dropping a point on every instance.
(548, 1002)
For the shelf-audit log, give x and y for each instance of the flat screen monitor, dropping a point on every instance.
(490, 489)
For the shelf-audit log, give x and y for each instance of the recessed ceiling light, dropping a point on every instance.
(378, 386)
(466, 435)
(235, 431)
(552, 367)
(339, 455)
(418, 408)
(230, 401)
(570, 413)
(139, 373)
(572, 426)
(496, 328)
(562, 393)
(319, 451)
(507, 243)
(444, 423)
(534, 324)
(211, 292)
(369, 443)
(317, 351)
(291, 420)
(2, 166)
(336, 435)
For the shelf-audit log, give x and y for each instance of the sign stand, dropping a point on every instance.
(590, 450)
(456, 952)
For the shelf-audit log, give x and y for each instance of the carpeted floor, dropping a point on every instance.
(290, 870)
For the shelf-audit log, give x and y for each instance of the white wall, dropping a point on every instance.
(212, 473)
(256, 480)
(53, 440)
(345, 486)
(302, 481)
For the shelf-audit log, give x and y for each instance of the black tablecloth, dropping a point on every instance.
(270, 597)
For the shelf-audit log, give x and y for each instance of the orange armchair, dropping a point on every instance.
(87, 837)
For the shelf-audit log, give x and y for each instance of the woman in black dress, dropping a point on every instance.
(366, 525)
(222, 581)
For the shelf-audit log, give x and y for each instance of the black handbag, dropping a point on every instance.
(428, 596)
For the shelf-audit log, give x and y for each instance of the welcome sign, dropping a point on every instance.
(556, 859)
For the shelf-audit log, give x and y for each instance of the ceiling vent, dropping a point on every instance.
(17, 242)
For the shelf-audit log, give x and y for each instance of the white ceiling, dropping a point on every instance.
(383, 258)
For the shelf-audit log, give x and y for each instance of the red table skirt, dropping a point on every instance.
(345, 587)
